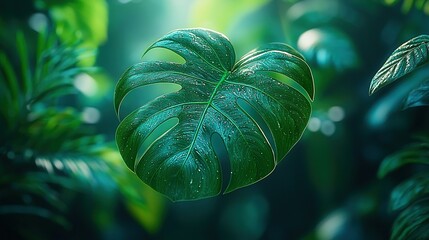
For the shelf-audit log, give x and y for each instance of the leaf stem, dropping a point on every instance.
(209, 103)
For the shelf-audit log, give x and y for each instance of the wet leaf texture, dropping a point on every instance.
(215, 97)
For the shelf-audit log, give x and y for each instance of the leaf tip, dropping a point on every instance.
(373, 86)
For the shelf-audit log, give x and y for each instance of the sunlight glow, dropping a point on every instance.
(45, 163)
(308, 39)
(86, 84)
(331, 225)
(58, 164)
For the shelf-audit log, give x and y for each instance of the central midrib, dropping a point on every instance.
(203, 115)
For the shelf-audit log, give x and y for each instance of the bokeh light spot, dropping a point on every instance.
(336, 113)
(314, 124)
(328, 128)
(38, 22)
(86, 84)
(91, 115)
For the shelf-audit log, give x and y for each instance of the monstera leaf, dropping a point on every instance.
(405, 59)
(215, 93)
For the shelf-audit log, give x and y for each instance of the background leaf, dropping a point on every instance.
(414, 153)
(215, 93)
(402, 61)
(328, 47)
(409, 191)
(419, 96)
(412, 223)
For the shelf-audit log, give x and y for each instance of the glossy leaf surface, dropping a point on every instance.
(182, 163)
(402, 61)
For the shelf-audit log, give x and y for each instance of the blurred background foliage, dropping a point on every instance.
(61, 176)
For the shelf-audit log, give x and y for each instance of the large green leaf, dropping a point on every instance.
(215, 91)
(409, 191)
(403, 60)
(412, 223)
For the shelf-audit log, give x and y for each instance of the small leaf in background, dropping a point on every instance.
(328, 47)
(386, 106)
(414, 153)
(409, 191)
(412, 223)
(215, 91)
(418, 96)
(405, 59)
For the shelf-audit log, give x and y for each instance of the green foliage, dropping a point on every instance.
(79, 21)
(410, 195)
(419, 96)
(217, 96)
(414, 153)
(409, 191)
(26, 120)
(49, 76)
(48, 155)
(405, 59)
(412, 223)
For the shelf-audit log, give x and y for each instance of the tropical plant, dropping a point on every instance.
(409, 197)
(258, 114)
(48, 156)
